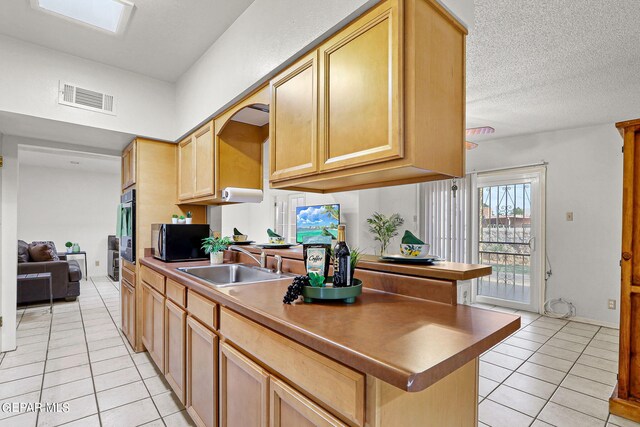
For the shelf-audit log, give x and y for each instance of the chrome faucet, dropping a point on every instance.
(262, 262)
(278, 264)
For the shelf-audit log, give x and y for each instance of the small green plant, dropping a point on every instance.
(384, 228)
(356, 253)
(174, 216)
(316, 280)
(68, 244)
(181, 217)
(189, 214)
(215, 244)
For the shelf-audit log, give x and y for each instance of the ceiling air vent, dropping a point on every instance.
(87, 99)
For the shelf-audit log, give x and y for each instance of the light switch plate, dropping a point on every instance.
(612, 304)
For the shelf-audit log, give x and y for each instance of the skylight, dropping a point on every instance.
(108, 15)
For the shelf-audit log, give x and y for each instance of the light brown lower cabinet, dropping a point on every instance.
(244, 390)
(153, 324)
(175, 348)
(128, 311)
(291, 409)
(202, 374)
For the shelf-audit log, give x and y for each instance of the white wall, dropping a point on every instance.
(584, 176)
(265, 38)
(9, 237)
(69, 205)
(29, 85)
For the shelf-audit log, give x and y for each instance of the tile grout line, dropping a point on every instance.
(133, 361)
(93, 382)
(44, 367)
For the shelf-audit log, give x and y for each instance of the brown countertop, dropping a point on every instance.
(440, 270)
(407, 342)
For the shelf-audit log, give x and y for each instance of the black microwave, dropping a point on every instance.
(178, 242)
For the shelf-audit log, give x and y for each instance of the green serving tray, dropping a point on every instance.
(347, 294)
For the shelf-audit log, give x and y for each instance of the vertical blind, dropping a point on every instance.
(447, 218)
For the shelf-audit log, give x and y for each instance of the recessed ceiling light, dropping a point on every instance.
(107, 15)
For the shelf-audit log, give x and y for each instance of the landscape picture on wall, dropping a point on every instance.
(317, 221)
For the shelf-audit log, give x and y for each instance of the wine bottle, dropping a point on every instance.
(341, 260)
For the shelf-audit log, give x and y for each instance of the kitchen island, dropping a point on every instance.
(386, 360)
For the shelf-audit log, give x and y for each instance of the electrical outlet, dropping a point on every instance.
(612, 304)
(569, 216)
(97, 263)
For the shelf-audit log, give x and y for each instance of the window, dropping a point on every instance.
(446, 218)
(107, 15)
(285, 214)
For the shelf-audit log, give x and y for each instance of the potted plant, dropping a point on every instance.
(356, 253)
(174, 219)
(214, 246)
(181, 219)
(68, 245)
(384, 228)
(188, 219)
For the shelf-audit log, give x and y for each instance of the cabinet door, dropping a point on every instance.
(158, 329)
(129, 166)
(291, 409)
(204, 161)
(127, 311)
(361, 91)
(147, 317)
(202, 374)
(293, 120)
(244, 390)
(186, 172)
(175, 348)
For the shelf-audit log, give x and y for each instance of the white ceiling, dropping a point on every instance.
(102, 140)
(163, 39)
(543, 65)
(69, 160)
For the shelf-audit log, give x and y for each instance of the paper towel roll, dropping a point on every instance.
(241, 195)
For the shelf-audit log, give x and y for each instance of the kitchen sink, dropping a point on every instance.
(224, 275)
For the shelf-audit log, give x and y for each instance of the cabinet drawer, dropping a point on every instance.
(337, 387)
(129, 276)
(202, 309)
(153, 279)
(177, 293)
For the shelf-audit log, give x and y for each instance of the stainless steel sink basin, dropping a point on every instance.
(224, 275)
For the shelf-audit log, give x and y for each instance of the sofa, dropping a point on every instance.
(65, 275)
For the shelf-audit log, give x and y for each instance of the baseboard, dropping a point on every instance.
(594, 322)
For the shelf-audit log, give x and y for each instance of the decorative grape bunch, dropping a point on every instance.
(295, 289)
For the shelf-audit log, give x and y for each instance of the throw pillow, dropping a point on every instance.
(41, 253)
(54, 252)
(23, 251)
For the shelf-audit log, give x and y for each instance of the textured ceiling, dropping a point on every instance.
(73, 160)
(541, 65)
(163, 39)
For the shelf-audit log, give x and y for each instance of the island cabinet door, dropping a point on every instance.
(202, 374)
(244, 390)
(361, 92)
(291, 409)
(293, 120)
(175, 348)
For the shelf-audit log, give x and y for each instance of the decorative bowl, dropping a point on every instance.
(240, 237)
(276, 240)
(414, 251)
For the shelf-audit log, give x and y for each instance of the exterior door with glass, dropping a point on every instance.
(508, 232)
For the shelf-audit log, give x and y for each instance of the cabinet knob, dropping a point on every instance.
(626, 256)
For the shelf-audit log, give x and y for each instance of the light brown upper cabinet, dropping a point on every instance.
(226, 152)
(390, 103)
(196, 160)
(129, 165)
(294, 115)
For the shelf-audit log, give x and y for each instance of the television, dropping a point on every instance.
(317, 220)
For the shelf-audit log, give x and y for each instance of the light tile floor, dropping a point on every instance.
(550, 372)
(78, 355)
